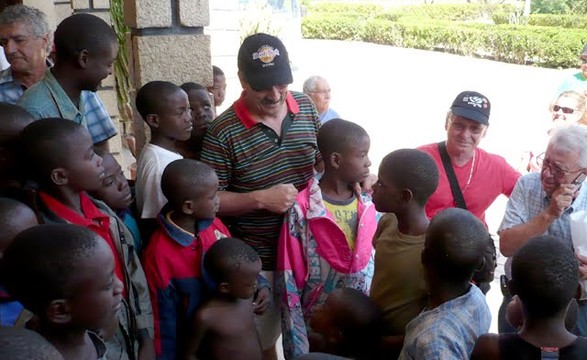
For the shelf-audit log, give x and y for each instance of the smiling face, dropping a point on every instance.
(115, 191)
(559, 167)
(24, 51)
(97, 298)
(264, 102)
(566, 110)
(84, 170)
(99, 66)
(463, 134)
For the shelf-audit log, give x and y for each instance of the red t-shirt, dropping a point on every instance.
(492, 176)
(93, 219)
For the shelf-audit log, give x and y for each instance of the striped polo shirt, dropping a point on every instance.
(247, 156)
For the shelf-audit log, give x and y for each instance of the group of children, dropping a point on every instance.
(349, 282)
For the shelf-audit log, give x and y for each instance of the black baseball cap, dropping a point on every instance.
(264, 62)
(473, 106)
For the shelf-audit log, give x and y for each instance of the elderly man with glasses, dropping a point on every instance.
(542, 203)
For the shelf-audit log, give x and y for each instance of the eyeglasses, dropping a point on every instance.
(565, 110)
(460, 127)
(320, 92)
(556, 170)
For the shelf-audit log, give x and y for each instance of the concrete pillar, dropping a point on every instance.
(168, 43)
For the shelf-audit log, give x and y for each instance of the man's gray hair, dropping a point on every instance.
(570, 139)
(34, 18)
(310, 83)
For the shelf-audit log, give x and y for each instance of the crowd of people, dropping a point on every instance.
(265, 221)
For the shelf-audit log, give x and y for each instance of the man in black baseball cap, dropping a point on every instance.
(264, 150)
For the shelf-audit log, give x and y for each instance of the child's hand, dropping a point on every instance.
(262, 301)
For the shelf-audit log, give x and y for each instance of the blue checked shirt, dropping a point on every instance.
(47, 99)
(528, 199)
(449, 331)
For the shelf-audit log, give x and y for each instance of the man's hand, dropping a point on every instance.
(582, 266)
(561, 199)
(278, 198)
(262, 301)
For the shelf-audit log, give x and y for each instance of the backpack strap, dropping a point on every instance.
(457, 194)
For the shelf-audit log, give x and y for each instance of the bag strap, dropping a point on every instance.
(457, 194)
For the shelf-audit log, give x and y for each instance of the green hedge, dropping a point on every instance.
(565, 21)
(541, 46)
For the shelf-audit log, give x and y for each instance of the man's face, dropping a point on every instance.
(464, 134)
(321, 96)
(266, 102)
(559, 166)
(99, 66)
(24, 51)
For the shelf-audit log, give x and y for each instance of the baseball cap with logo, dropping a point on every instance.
(264, 62)
(473, 106)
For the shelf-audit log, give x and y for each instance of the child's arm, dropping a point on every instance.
(262, 298)
(196, 333)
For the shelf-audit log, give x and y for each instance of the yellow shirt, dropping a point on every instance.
(346, 216)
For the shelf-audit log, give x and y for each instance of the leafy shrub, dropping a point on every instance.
(565, 21)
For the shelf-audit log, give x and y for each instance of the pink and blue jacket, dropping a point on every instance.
(314, 259)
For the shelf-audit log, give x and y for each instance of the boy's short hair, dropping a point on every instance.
(361, 318)
(182, 178)
(40, 264)
(336, 135)
(13, 119)
(82, 31)
(191, 86)
(216, 71)
(23, 344)
(152, 96)
(454, 246)
(226, 256)
(44, 145)
(414, 170)
(10, 211)
(545, 275)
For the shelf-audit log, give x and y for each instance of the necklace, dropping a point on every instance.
(471, 171)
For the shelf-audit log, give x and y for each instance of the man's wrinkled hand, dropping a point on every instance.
(278, 198)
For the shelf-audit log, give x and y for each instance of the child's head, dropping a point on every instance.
(64, 274)
(190, 187)
(165, 107)
(115, 191)
(60, 153)
(23, 344)
(219, 87)
(13, 119)
(15, 217)
(201, 106)
(454, 246)
(87, 43)
(348, 320)
(344, 146)
(405, 176)
(545, 276)
(234, 267)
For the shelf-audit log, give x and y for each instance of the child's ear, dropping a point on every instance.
(187, 207)
(335, 159)
(224, 288)
(406, 195)
(59, 176)
(58, 312)
(82, 59)
(152, 120)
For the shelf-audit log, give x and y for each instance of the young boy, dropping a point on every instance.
(224, 326)
(65, 275)
(188, 226)
(349, 324)
(61, 159)
(23, 344)
(326, 239)
(218, 89)
(406, 179)
(166, 109)
(545, 276)
(14, 218)
(202, 115)
(116, 193)
(457, 313)
(13, 119)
